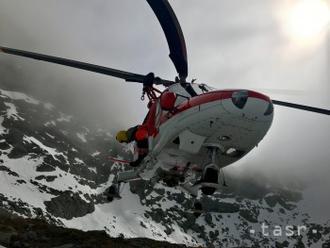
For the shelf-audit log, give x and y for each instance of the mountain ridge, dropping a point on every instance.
(55, 168)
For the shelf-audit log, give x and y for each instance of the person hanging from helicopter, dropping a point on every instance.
(140, 133)
(136, 134)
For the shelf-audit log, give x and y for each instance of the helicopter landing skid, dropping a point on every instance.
(113, 191)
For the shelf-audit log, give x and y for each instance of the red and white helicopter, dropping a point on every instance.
(192, 130)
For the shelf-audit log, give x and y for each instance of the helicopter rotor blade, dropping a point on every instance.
(174, 35)
(148, 79)
(283, 91)
(128, 76)
(302, 107)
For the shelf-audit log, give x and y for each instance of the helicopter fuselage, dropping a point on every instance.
(234, 121)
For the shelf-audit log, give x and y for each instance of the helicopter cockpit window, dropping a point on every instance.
(197, 89)
(181, 92)
(201, 88)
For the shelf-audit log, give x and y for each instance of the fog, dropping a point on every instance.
(231, 44)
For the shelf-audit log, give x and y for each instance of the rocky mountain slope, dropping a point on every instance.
(54, 168)
(36, 233)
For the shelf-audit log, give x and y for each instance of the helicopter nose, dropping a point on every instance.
(249, 104)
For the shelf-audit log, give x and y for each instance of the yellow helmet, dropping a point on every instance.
(122, 136)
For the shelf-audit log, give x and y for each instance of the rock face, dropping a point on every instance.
(56, 169)
(68, 205)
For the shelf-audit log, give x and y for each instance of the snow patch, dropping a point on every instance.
(48, 106)
(64, 117)
(82, 137)
(66, 181)
(12, 112)
(51, 136)
(27, 192)
(2, 128)
(79, 161)
(93, 169)
(94, 154)
(18, 96)
(52, 151)
(116, 219)
(49, 123)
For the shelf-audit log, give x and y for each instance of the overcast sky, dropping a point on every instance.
(230, 43)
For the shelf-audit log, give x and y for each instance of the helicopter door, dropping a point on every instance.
(190, 142)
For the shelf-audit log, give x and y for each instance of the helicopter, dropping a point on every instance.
(192, 130)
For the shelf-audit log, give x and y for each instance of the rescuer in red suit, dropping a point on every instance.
(139, 134)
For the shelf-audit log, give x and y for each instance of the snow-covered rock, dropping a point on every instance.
(55, 168)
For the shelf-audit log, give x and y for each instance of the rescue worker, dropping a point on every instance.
(140, 136)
